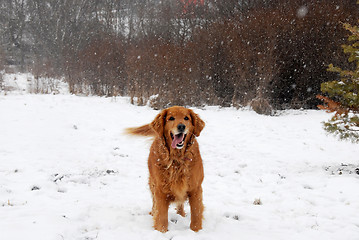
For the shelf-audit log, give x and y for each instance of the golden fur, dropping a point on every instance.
(176, 174)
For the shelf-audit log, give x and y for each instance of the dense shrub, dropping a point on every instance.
(98, 68)
(276, 55)
(271, 54)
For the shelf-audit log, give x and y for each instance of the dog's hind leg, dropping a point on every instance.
(180, 209)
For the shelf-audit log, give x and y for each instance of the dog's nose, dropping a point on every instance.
(181, 127)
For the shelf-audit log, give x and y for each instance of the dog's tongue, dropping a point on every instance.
(177, 139)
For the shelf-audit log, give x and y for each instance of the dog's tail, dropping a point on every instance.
(145, 130)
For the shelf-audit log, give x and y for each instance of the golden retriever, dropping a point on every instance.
(174, 164)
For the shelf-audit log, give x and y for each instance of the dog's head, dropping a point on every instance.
(176, 125)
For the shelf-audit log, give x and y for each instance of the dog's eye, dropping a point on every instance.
(171, 119)
(186, 118)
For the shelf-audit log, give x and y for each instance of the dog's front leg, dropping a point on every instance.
(161, 204)
(195, 201)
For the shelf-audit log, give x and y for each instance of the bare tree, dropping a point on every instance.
(13, 30)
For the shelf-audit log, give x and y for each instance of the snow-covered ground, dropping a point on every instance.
(68, 172)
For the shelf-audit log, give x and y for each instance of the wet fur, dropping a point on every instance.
(175, 174)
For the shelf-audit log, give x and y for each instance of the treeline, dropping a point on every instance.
(271, 54)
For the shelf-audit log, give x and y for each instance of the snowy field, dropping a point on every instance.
(68, 172)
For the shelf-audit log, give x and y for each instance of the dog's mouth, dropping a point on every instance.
(178, 140)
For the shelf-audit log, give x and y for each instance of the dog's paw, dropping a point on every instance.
(181, 212)
(161, 228)
(196, 226)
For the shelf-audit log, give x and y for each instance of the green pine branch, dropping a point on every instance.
(345, 92)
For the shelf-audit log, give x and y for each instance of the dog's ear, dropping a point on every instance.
(197, 122)
(159, 122)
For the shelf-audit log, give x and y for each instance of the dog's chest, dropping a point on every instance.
(177, 176)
